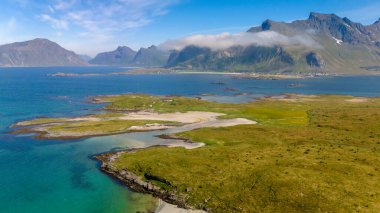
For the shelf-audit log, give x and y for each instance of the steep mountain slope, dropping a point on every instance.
(121, 56)
(239, 58)
(37, 53)
(150, 56)
(342, 46)
(145, 57)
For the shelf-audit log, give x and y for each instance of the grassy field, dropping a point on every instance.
(265, 111)
(307, 154)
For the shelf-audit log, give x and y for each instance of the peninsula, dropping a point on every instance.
(305, 153)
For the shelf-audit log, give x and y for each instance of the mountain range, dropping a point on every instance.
(327, 43)
(125, 56)
(342, 46)
(37, 53)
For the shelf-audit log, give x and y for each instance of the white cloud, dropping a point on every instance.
(105, 16)
(63, 4)
(56, 23)
(102, 21)
(226, 40)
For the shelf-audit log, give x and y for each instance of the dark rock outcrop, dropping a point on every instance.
(137, 183)
(315, 60)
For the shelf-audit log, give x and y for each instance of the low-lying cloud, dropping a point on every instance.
(226, 40)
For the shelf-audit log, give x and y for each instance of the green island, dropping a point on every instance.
(306, 153)
(136, 113)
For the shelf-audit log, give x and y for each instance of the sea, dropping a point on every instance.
(38, 176)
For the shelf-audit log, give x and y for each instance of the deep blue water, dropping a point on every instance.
(60, 176)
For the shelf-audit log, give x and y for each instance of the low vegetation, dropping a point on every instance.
(265, 111)
(105, 127)
(86, 126)
(307, 154)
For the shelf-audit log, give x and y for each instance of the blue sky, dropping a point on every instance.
(92, 26)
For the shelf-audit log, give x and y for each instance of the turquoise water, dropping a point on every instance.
(61, 176)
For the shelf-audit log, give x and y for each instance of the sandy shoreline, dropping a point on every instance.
(188, 120)
(164, 207)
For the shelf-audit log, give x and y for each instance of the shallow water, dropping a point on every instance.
(61, 176)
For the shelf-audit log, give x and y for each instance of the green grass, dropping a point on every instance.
(41, 121)
(101, 127)
(307, 154)
(269, 111)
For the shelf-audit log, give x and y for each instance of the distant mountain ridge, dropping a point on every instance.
(339, 46)
(125, 56)
(121, 56)
(345, 47)
(37, 53)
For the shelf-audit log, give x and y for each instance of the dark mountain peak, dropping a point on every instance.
(322, 16)
(377, 22)
(123, 55)
(267, 24)
(124, 49)
(152, 47)
(340, 28)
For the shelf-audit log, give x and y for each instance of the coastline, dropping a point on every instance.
(162, 185)
(135, 182)
(166, 71)
(168, 202)
(118, 121)
(140, 168)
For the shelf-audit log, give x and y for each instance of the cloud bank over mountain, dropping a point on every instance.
(226, 40)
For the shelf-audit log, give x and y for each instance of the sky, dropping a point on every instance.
(93, 26)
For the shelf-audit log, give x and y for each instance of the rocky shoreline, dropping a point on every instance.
(137, 183)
